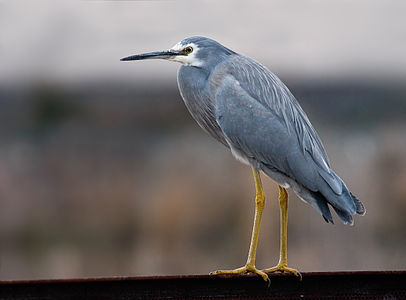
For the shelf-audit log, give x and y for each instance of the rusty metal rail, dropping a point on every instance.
(338, 285)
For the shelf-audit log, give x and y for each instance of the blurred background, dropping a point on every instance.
(103, 172)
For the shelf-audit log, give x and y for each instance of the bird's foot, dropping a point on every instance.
(243, 270)
(283, 268)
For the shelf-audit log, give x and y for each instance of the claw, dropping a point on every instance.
(284, 268)
(243, 270)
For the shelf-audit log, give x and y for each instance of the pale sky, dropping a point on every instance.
(83, 40)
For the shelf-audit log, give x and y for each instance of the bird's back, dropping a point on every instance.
(267, 89)
(264, 124)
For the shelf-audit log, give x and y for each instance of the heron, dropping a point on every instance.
(248, 109)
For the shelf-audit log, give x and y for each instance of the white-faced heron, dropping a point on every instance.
(248, 109)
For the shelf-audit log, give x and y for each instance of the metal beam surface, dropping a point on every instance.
(335, 285)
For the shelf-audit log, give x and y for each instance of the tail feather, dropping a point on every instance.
(324, 195)
(344, 216)
(322, 203)
(359, 206)
(342, 199)
(345, 204)
(322, 206)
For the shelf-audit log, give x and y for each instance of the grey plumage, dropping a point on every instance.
(248, 109)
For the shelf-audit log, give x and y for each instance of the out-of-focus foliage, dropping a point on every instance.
(109, 180)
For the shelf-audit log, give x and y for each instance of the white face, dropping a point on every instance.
(189, 59)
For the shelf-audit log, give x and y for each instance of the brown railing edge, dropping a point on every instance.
(193, 276)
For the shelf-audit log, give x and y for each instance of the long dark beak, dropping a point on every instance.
(153, 55)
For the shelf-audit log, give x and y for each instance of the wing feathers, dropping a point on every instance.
(263, 121)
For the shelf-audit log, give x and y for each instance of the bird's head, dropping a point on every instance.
(195, 51)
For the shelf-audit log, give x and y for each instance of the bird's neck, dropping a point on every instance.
(193, 80)
(194, 86)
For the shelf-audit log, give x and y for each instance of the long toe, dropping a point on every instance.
(283, 268)
(243, 270)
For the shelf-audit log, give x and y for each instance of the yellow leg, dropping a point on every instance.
(259, 207)
(283, 258)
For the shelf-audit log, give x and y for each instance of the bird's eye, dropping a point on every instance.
(188, 50)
